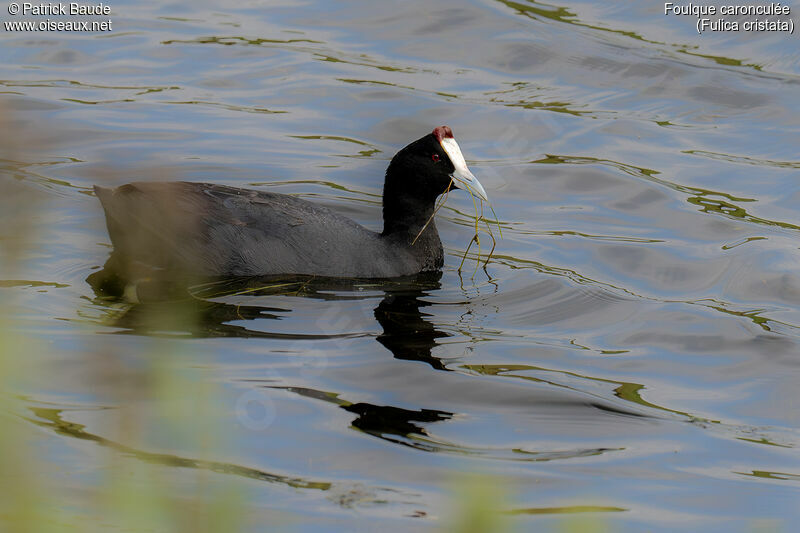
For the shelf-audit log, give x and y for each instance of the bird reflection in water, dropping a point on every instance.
(201, 311)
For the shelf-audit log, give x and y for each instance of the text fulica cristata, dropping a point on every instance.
(200, 229)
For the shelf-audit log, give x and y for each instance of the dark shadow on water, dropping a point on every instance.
(394, 424)
(408, 427)
(248, 308)
(385, 420)
(406, 331)
(207, 309)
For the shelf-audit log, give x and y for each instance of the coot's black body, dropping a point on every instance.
(206, 230)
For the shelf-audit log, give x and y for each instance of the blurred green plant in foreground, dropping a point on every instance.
(125, 490)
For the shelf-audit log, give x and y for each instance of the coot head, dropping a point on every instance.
(429, 164)
(418, 174)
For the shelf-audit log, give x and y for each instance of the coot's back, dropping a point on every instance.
(204, 229)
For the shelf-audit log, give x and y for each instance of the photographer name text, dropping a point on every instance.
(59, 8)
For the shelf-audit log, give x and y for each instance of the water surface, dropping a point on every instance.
(630, 352)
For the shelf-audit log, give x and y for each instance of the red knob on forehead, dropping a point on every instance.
(442, 132)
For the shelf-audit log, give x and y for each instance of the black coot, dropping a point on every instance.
(205, 230)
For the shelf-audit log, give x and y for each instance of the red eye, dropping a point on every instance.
(435, 158)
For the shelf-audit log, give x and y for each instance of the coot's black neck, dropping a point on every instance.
(407, 209)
